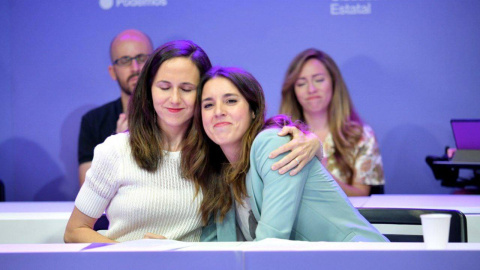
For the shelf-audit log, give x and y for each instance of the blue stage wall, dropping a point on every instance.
(410, 67)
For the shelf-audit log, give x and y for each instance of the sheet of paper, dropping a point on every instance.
(141, 245)
(272, 244)
(279, 244)
(214, 246)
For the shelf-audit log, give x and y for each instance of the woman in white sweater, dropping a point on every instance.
(140, 178)
(137, 177)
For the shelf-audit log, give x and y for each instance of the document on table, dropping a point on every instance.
(140, 245)
(280, 244)
(266, 244)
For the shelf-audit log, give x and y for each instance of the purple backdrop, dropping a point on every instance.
(410, 67)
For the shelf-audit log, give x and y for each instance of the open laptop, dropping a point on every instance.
(467, 139)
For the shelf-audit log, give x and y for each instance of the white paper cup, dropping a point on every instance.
(436, 229)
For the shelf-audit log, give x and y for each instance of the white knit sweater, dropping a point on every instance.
(137, 201)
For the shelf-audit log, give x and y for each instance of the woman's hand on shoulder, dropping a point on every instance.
(303, 147)
(122, 123)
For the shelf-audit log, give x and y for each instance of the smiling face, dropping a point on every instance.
(226, 115)
(174, 93)
(313, 87)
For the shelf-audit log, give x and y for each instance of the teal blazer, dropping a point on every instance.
(309, 206)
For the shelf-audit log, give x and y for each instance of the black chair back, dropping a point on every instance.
(2, 191)
(402, 216)
(377, 189)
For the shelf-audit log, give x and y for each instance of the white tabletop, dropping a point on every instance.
(43, 207)
(264, 245)
(468, 204)
(45, 222)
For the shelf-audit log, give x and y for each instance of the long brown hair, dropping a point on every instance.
(208, 165)
(146, 138)
(344, 123)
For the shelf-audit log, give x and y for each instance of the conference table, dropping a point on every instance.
(467, 204)
(33, 222)
(45, 222)
(31, 237)
(267, 254)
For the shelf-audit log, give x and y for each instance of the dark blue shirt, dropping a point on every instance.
(96, 126)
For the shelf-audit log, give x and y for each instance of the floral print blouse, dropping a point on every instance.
(368, 161)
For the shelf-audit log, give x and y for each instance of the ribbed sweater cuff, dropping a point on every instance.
(90, 203)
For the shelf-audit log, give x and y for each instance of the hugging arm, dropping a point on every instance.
(302, 148)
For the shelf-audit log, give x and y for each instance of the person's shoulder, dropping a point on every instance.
(368, 131)
(368, 136)
(269, 138)
(117, 141)
(267, 134)
(101, 110)
(122, 137)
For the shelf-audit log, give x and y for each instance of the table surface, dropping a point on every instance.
(468, 204)
(45, 222)
(22, 207)
(264, 245)
(459, 164)
(270, 254)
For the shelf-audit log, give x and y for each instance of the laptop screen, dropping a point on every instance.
(466, 133)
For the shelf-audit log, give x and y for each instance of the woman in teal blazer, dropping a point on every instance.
(309, 206)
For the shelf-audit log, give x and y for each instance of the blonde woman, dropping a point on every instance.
(314, 92)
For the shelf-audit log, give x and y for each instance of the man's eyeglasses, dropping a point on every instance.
(127, 60)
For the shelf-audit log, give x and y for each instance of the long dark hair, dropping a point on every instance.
(208, 165)
(146, 138)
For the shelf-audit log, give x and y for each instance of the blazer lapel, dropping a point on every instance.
(226, 230)
(256, 209)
